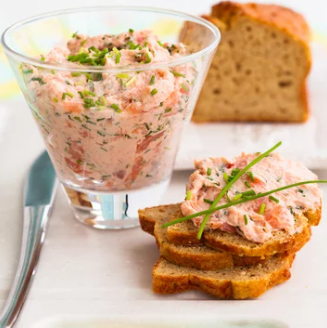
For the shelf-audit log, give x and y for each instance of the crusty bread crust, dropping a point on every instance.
(280, 17)
(237, 283)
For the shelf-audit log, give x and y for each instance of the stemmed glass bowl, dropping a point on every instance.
(112, 131)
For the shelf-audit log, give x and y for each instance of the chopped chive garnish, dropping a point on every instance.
(123, 75)
(63, 97)
(177, 74)
(74, 34)
(226, 177)
(247, 184)
(53, 72)
(161, 104)
(42, 58)
(145, 44)
(131, 30)
(78, 119)
(214, 209)
(209, 171)
(274, 199)
(103, 100)
(55, 100)
(153, 92)
(38, 79)
(81, 94)
(245, 219)
(262, 208)
(117, 59)
(238, 196)
(76, 74)
(79, 161)
(160, 44)
(104, 149)
(69, 94)
(188, 195)
(228, 199)
(116, 108)
(100, 119)
(28, 71)
(185, 87)
(100, 133)
(89, 102)
(130, 81)
(98, 102)
(251, 176)
(148, 58)
(230, 183)
(85, 127)
(167, 110)
(89, 93)
(153, 77)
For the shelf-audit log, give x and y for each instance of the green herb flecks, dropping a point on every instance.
(214, 209)
(153, 92)
(230, 183)
(188, 195)
(262, 208)
(38, 79)
(152, 80)
(177, 74)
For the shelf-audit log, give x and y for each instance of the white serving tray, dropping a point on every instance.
(304, 142)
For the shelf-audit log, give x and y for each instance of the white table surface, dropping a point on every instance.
(86, 273)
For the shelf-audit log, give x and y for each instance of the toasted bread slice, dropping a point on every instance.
(199, 256)
(185, 233)
(150, 215)
(230, 283)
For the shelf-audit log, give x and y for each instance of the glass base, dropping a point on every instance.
(117, 210)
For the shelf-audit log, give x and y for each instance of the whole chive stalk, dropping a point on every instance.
(274, 199)
(244, 200)
(188, 195)
(248, 193)
(209, 171)
(238, 196)
(262, 208)
(230, 183)
(207, 201)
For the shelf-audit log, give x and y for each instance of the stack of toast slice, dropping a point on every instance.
(225, 265)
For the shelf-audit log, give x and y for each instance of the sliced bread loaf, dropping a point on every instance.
(260, 69)
(231, 283)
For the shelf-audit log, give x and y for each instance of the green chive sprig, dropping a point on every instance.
(233, 203)
(230, 183)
